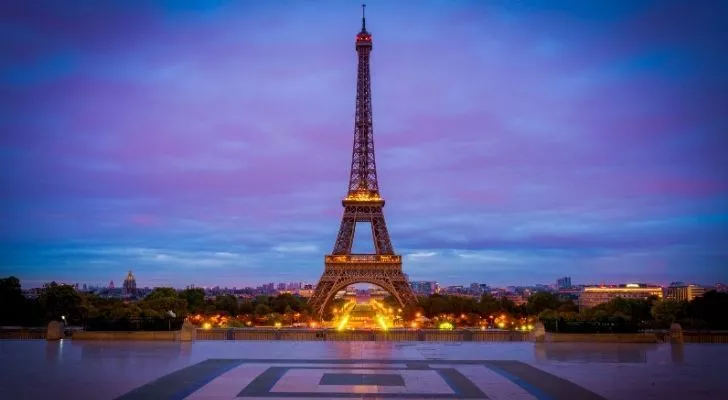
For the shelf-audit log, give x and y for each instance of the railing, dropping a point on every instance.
(392, 335)
(664, 336)
(705, 337)
(363, 258)
(23, 333)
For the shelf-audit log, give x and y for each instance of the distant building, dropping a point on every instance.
(424, 288)
(683, 292)
(306, 290)
(595, 295)
(563, 283)
(130, 288)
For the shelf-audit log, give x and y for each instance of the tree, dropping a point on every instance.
(668, 311)
(507, 306)
(12, 302)
(195, 299)
(711, 308)
(246, 307)
(227, 304)
(161, 292)
(62, 301)
(163, 305)
(542, 301)
(280, 302)
(488, 305)
(261, 310)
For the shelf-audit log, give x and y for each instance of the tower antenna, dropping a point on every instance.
(363, 18)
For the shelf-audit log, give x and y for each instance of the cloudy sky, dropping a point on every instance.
(517, 141)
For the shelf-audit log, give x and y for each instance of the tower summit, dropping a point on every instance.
(363, 183)
(363, 203)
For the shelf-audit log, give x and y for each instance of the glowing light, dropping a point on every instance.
(446, 326)
(462, 316)
(342, 323)
(277, 325)
(632, 285)
(501, 325)
(382, 323)
(206, 325)
(529, 327)
(313, 324)
(414, 325)
(418, 315)
(363, 196)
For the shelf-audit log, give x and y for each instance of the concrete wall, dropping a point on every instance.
(432, 335)
(140, 335)
(394, 335)
(602, 337)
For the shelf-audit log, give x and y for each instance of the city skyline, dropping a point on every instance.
(516, 141)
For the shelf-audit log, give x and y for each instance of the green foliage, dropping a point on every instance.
(668, 311)
(12, 300)
(163, 305)
(246, 307)
(233, 323)
(707, 312)
(162, 292)
(63, 300)
(195, 299)
(262, 310)
(711, 310)
(542, 301)
(286, 300)
(489, 305)
(635, 310)
(227, 304)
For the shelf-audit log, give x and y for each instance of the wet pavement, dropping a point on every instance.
(283, 369)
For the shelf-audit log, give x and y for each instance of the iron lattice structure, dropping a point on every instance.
(363, 203)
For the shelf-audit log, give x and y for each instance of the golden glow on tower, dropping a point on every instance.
(363, 196)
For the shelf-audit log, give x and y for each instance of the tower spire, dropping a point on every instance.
(363, 18)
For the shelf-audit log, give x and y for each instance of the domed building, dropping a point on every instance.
(130, 288)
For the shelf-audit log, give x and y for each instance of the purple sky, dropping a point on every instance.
(517, 141)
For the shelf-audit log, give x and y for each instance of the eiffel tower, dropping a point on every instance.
(363, 203)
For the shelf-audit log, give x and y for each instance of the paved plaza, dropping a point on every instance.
(289, 370)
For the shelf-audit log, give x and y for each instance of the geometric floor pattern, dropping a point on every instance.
(368, 379)
(107, 370)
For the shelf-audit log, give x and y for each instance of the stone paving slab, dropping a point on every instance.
(280, 369)
(307, 379)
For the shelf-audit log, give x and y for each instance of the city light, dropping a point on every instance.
(446, 326)
(382, 323)
(342, 323)
(206, 325)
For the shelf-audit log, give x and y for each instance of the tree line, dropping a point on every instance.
(705, 312)
(57, 300)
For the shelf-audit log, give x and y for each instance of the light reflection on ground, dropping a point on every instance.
(106, 370)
